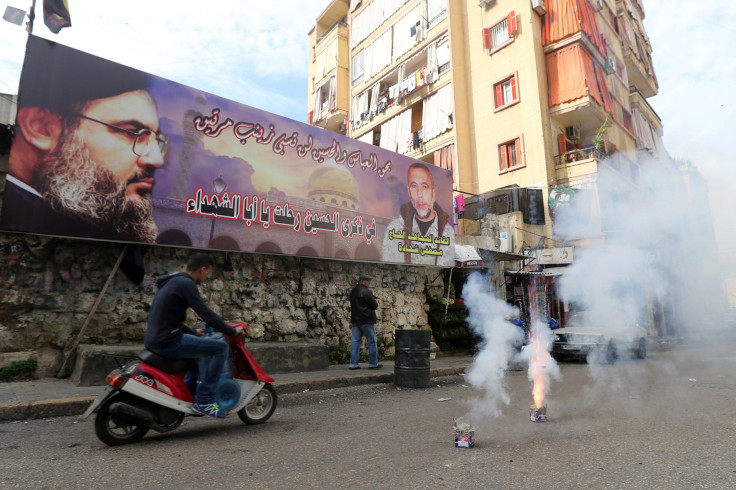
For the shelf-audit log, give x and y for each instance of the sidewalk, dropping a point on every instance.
(52, 397)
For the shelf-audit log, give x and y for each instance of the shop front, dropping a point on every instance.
(448, 314)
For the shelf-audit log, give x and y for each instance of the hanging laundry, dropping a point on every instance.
(460, 203)
(382, 104)
(412, 83)
(393, 93)
(404, 86)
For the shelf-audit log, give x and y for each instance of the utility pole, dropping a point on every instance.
(31, 16)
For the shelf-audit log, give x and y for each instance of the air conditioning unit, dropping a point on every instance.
(572, 132)
(538, 6)
(597, 4)
(484, 2)
(609, 66)
(505, 242)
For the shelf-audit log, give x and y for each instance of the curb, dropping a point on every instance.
(64, 407)
(59, 407)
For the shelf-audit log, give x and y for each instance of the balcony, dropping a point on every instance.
(339, 28)
(580, 165)
(579, 156)
(578, 92)
(638, 74)
(331, 120)
(585, 113)
(334, 14)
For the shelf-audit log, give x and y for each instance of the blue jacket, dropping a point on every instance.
(177, 292)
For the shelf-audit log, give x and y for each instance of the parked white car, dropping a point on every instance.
(598, 344)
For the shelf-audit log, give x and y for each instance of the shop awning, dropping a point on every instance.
(496, 256)
(549, 271)
(467, 256)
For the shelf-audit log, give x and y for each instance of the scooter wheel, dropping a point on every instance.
(260, 408)
(115, 432)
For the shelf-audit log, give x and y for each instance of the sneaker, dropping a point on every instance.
(353, 367)
(210, 409)
(376, 366)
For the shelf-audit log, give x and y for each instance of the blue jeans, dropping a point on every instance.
(192, 346)
(369, 331)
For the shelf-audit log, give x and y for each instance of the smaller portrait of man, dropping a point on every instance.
(423, 234)
(86, 148)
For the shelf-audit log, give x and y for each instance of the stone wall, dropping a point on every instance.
(49, 286)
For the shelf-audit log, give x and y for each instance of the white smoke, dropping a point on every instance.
(656, 268)
(497, 348)
(542, 366)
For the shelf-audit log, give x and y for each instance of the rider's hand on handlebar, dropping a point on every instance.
(241, 329)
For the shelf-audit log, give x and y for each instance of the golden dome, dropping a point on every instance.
(333, 185)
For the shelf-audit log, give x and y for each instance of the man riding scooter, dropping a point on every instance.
(169, 337)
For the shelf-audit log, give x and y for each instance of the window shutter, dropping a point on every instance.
(309, 117)
(511, 23)
(514, 97)
(517, 147)
(499, 95)
(486, 38)
(562, 143)
(503, 157)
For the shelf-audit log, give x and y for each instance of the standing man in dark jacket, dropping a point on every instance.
(168, 336)
(363, 306)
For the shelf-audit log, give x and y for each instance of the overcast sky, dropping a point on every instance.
(256, 53)
(251, 52)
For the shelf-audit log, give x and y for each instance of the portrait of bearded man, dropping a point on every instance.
(86, 148)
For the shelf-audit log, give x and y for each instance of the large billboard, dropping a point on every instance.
(103, 151)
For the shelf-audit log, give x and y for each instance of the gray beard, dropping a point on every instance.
(74, 184)
(426, 215)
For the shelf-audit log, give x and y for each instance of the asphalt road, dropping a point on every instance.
(665, 422)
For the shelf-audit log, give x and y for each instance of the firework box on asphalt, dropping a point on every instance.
(538, 414)
(464, 434)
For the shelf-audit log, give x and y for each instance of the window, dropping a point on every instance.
(358, 65)
(443, 56)
(436, 11)
(324, 95)
(500, 34)
(510, 155)
(506, 92)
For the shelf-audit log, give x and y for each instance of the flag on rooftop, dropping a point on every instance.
(14, 15)
(56, 15)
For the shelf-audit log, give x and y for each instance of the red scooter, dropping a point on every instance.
(150, 393)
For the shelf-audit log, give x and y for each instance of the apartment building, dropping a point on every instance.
(527, 93)
(529, 103)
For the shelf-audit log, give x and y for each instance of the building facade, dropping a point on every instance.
(530, 103)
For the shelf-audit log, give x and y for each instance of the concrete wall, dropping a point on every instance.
(49, 285)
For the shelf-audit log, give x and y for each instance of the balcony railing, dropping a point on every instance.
(577, 155)
(329, 29)
(436, 19)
